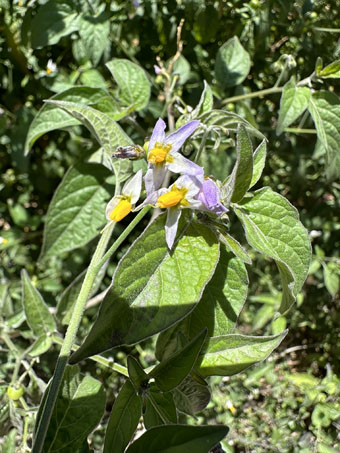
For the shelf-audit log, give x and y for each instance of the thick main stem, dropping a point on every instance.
(69, 340)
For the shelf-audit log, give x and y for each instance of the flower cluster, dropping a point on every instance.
(191, 190)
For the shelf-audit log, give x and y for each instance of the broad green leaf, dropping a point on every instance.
(218, 310)
(50, 117)
(228, 122)
(232, 63)
(106, 131)
(324, 107)
(94, 32)
(294, 101)
(78, 410)
(259, 159)
(153, 288)
(230, 354)
(160, 408)
(206, 24)
(134, 86)
(93, 78)
(272, 227)
(205, 103)
(235, 247)
(136, 373)
(181, 67)
(171, 372)
(54, 19)
(40, 346)
(178, 439)
(124, 419)
(76, 212)
(38, 316)
(191, 397)
(331, 71)
(69, 296)
(244, 164)
(331, 273)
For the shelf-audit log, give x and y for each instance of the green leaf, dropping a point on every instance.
(294, 101)
(219, 308)
(191, 397)
(259, 159)
(106, 131)
(9, 444)
(332, 71)
(134, 86)
(50, 117)
(228, 121)
(94, 32)
(38, 316)
(205, 103)
(54, 19)
(124, 419)
(160, 408)
(136, 373)
(324, 107)
(318, 66)
(78, 410)
(230, 354)
(93, 78)
(181, 67)
(178, 439)
(272, 227)
(171, 372)
(331, 276)
(76, 212)
(235, 247)
(40, 346)
(232, 63)
(153, 288)
(206, 24)
(244, 164)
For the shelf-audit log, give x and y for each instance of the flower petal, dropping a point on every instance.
(191, 183)
(158, 134)
(133, 187)
(151, 199)
(177, 138)
(181, 164)
(110, 206)
(154, 178)
(210, 197)
(171, 226)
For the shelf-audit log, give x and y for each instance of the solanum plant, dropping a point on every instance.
(184, 278)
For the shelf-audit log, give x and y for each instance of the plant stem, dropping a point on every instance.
(97, 358)
(202, 145)
(253, 95)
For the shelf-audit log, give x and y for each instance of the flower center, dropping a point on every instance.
(122, 209)
(160, 154)
(173, 198)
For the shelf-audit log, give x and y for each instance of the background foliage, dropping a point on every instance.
(290, 403)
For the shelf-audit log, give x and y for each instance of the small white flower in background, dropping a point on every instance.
(179, 195)
(3, 240)
(121, 205)
(163, 155)
(51, 67)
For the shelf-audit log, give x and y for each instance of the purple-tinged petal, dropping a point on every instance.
(157, 69)
(151, 199)
(210, 197)
(154, 178)
(191, 183)
(158, 134)
(177, 138)
(181, 164)
(171, 226)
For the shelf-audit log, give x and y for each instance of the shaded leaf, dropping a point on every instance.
(259, 159)
(160, 408)
(191, 397)
(178, 439)
(94, 33)
(136, 373)
(150, 287)
(38, 316)
(124, 419)
(235, 247)
(232, 63)
(244, 164)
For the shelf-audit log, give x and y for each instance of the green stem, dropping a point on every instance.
(202, 145)
(253, 95)
(97, 358)
(296, 130)
(68, 341)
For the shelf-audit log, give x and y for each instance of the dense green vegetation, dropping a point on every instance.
(282, 76)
